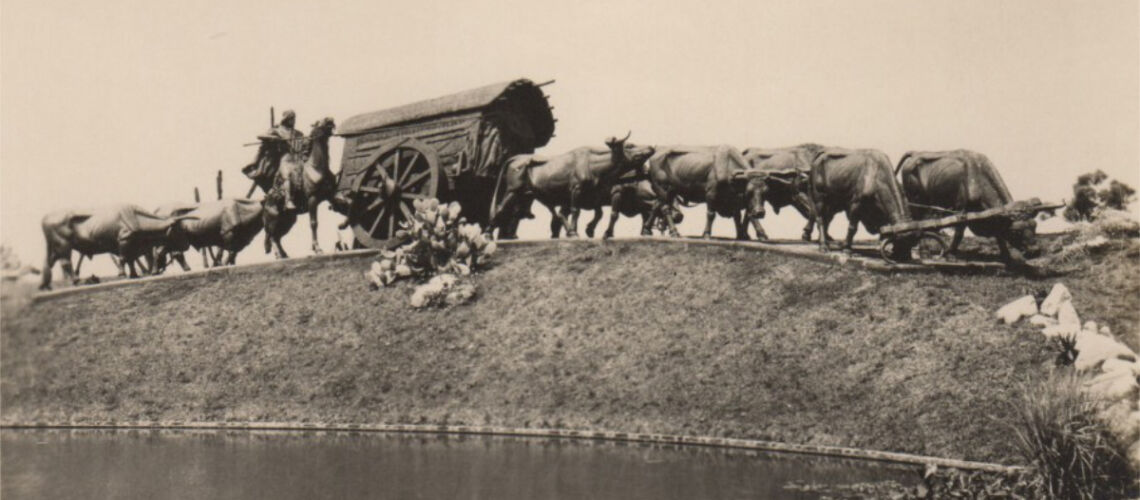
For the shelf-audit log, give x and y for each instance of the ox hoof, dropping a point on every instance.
(607, 235)
(589, 232)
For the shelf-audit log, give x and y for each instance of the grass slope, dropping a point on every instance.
(645, 337)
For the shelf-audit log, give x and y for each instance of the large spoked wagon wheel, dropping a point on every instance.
(382, 196)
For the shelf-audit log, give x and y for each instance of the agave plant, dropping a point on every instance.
(439, 242)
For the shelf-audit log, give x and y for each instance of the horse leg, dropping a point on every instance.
(313, 224)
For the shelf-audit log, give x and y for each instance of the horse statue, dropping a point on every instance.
(307, 176)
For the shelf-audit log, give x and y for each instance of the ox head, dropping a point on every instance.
(1022, 236)
(754, 185)
(628, 157)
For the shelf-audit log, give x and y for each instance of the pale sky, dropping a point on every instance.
(114, 101)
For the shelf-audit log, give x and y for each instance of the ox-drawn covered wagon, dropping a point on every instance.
(452, 148)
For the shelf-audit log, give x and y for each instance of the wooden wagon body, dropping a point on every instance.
(452, 148)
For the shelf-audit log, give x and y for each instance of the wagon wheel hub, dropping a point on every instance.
(390, 188)
(383, 195)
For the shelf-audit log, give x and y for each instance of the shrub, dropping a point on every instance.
(439, 247)
(1072, 452)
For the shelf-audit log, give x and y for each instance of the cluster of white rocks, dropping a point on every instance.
(1111, 368)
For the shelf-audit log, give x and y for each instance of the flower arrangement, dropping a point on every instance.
(440, 247)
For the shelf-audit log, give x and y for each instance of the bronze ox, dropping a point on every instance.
(127, 231)
(715, 175)
(576, 180)
(860, 183)
(787, 183)
(936, 183)
(629, 197)
(229, 224)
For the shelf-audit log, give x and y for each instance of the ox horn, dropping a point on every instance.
(627, 134)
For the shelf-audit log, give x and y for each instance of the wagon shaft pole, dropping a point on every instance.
(219, 184)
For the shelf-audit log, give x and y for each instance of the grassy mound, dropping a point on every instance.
(649, 337)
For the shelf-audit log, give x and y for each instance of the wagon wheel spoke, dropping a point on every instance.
(407, 211)
(370, 189)
(379, 217)
(414, 181)
(395, 165)
(375, 203)
(404, 176)
(392, 224)
(413, 196)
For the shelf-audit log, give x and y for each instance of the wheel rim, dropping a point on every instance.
(385, 192)
(930, 246)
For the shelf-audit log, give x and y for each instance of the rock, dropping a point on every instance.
(1114, 386)
(1094, 348)
(1060, 330)
(1060, 293)
(1013, 311)
(1042, 320)
(1112, 364)
(1096, 243)
(1090, 326)
(1067, 314)
(1104, 330)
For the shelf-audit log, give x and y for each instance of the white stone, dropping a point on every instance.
(1041, 320)
(1060, 293)
(1067, 314)
(1090, 326)
(1113, 364)
(1092, 348)
(1113, 386)
(1013, 311)
(1104, 330)
(1060, 330)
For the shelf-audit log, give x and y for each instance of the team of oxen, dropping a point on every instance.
(649, 181)
(819, 182)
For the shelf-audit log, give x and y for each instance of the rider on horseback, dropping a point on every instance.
(294, 138)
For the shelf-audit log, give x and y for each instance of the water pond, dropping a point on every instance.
(307, 465)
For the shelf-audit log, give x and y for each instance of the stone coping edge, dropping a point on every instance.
(748, 444)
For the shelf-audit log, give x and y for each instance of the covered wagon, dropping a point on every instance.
(452, 148)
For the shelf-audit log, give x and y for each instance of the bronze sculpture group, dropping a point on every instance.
(651, 181)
